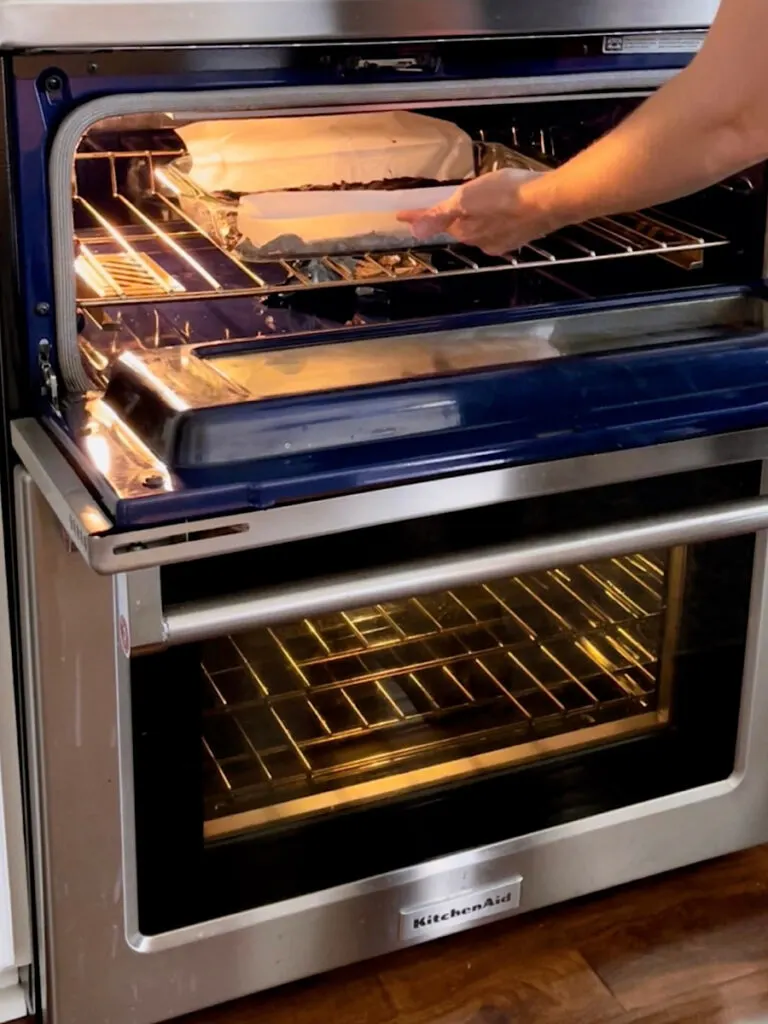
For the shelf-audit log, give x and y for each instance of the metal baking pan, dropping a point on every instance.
(217, 216)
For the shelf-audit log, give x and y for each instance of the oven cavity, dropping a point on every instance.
(195, 321)
(370, 702)
(160, 261)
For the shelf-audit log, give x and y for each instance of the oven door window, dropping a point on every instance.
(371, 702)
(285, 760)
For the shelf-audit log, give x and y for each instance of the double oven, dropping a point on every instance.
(364, 599)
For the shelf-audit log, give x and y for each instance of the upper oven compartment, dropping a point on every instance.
(235, 297)
(215, 238)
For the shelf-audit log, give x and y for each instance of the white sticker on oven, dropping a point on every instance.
(123, 623)
(467, 908)
(655, 42)
(124, 635)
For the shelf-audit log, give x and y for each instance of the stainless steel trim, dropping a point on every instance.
(78, 513)
(675, 592)
(209, 618)
(33, 729)
(99, 967)
(161, 545)
(271, 102)
(128, 878)
(139, 610)
(52, 24)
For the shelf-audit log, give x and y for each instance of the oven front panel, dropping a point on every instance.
(57, 25)
(89, 764)
(404, 731)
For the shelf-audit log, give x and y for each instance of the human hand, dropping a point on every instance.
(496, 212)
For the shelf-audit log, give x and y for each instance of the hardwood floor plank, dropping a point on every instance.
(495, 983)
(737, 872)
(350, 996)
(706, 926)
(743, 1001)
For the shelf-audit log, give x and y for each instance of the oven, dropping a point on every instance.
(367, 591)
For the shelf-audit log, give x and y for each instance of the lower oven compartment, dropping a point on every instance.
(389, 735)
(124, 790)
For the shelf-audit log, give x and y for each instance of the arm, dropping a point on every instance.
(710, 121)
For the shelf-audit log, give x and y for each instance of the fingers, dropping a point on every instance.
(431, 222)
(476, 233)
(495, 238)
(411, 216)
(428, 223)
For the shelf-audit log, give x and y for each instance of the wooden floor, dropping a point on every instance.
(687, 948)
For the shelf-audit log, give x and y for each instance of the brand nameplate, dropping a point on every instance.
(468, 907)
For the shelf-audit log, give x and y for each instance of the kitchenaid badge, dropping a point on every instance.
(459, 911)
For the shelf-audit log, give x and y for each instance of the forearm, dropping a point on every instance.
(708, 122)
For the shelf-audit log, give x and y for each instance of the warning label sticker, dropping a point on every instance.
(655, 42)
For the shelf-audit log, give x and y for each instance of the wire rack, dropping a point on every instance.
(156, 249)
(319, 703)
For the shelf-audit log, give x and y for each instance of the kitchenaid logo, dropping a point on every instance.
(476, 908)
(461, 910)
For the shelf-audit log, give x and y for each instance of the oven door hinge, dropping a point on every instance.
(50, 382)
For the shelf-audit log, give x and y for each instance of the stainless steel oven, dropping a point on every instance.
(260, 765)
(368, 595)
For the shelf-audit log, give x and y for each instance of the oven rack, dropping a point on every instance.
(164, 253)
(294, 709)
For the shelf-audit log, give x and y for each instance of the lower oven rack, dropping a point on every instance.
(294, 712)
(134, 263)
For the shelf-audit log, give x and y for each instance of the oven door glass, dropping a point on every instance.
(286, 759)
(368, 702)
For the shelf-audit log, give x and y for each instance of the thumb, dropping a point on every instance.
(427, 223)
(411, 216)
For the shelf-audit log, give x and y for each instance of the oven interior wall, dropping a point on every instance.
(185, 712)
(113, 166)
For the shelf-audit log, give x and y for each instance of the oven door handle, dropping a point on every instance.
(205, 619)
